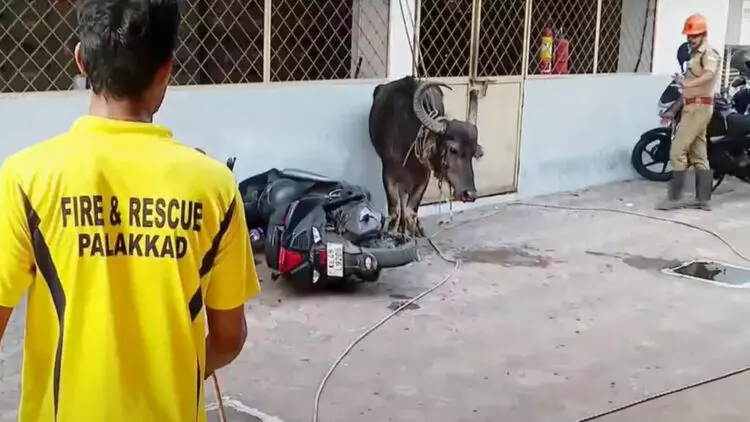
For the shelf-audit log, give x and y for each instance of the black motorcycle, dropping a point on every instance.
(317, 231)
(727, 135)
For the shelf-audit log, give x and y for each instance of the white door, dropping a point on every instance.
(496, 67)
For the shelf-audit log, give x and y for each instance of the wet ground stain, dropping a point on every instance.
(639, 262)
(395, 305)
(508, 257)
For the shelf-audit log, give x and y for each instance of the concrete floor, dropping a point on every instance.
(554, 316)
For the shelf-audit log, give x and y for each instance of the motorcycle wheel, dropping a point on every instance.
(650, 146)
(392, 250)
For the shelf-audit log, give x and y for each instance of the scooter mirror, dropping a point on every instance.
(738, 81)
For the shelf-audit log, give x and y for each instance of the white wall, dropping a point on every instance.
(734, 21)
(670, 18)
(320, 127)
(566, 147)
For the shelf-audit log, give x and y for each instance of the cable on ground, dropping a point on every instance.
(457, 266)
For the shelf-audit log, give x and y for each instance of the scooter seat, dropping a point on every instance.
(298, 174)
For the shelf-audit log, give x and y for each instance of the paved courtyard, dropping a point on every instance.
(554, 316)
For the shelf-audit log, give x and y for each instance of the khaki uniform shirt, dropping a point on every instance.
(704, 58)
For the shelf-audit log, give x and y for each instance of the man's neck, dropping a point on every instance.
(702, 45)
(128, 110)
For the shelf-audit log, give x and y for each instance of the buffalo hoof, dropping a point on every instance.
(420, 230)
(402, 227)
(393, 224)
(413, 226)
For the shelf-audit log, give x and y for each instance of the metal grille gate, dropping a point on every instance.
(487, 49)
(467, 44)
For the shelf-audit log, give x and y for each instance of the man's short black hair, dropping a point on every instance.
(124, 42)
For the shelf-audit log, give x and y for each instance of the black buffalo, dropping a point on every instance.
(414, 138)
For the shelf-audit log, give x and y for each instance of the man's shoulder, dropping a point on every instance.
(31, 157)
(708, 50)
(210, 171)
(205, 162)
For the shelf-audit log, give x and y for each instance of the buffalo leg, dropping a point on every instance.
(403, 224)
(412, 206)
(393, 198)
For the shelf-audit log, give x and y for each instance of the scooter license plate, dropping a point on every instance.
(335, 260)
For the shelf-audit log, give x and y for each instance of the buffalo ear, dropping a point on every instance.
(479, 152)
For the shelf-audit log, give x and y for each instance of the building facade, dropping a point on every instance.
(288, 83)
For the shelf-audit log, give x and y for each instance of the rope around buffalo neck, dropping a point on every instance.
(423, 147)
(457, 266)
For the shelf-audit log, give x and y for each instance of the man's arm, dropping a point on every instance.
(16, 253)
(227, 331)
(4, 318)
(233, 280)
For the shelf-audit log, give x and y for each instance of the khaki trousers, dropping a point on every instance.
(689, 146)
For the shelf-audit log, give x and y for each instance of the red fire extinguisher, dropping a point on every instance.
(545, 53)
(562, 56)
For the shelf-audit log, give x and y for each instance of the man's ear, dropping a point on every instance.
(164, 72)
(79, 59)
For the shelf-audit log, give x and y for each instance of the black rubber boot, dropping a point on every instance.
(674, 193)
(703, 183)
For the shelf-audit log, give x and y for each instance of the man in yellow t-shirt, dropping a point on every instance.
(127, 242)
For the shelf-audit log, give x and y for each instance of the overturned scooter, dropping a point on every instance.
(317, 231)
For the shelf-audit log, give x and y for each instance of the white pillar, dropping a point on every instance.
(400, 35)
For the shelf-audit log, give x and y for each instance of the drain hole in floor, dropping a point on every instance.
(713, 272)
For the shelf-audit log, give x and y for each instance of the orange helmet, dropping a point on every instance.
(695, 25)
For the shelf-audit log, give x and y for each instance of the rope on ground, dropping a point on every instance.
(219, 399)
(353, 344)
(666, 220)
(665, 394)
(457, 266)
(637, 214)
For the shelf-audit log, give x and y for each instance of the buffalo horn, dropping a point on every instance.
(432, 124)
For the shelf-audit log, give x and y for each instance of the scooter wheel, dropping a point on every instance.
(392, 250)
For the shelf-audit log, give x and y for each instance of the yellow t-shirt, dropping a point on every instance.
(120, 234)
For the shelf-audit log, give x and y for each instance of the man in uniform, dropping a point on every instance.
(131, 247)
(690, 144)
